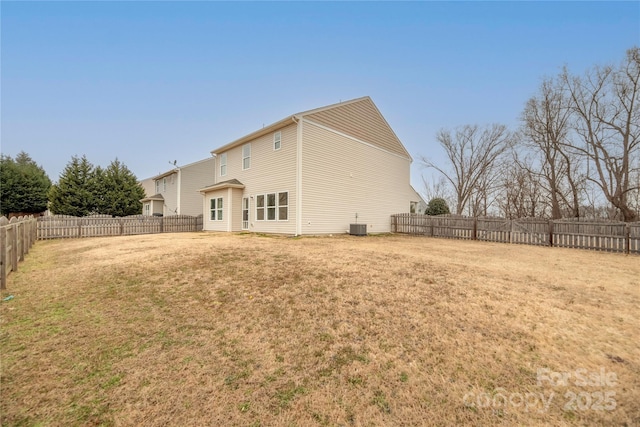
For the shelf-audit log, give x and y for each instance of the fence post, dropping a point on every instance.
(3, 258)
(627, 239)
(121, 221)
(475, 228)
(550, 233)
(14, 247)
(510, 230)
(21, 240)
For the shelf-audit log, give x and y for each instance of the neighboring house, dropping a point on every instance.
(314, 172)
(419, 205)
(175, 192)
(149, 186)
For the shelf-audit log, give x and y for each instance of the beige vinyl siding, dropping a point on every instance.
(216, 225)
(192, 178)
(342, 177)
(270, 172)
(149, 186)
(235, 205)
(362, 120)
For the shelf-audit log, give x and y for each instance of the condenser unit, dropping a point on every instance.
(358, 229)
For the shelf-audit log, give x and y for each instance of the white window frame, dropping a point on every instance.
(157, 186)
(245, 212)
(277, 141)
(274, 209)
(223, 164)
(246, 156)
(164, 184)
(147, 208)
(279, 206)
(216, 206)
(259, 208)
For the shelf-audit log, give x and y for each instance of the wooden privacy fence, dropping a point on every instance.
(63, 226)
(16, 238)
(603, 236)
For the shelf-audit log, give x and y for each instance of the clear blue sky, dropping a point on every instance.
(153, 82)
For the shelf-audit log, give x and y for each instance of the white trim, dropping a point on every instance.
(248, 144)
(278, 206)
(266, 206)
(356, 139)
(279, 134)
(179, 191)
(221, 165)
(299, 178)
(229, 208)
(248, 199)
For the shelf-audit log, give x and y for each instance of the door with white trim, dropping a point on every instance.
(245, 213)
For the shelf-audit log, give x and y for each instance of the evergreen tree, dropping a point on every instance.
(437, 206)
(120, 191)
(23, 185)
(74, 192)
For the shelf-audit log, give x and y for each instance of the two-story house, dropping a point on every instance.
(175, 192)
(314, 172)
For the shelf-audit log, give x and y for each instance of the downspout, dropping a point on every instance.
(228, 209)
(179, 191)
(298, 122)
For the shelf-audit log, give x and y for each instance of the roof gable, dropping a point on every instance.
(361, 119)
(358, 118)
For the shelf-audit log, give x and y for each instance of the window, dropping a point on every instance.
(283, 206)
(215, 207)
(223, 164)
(164, 184)
(158, 186)
(276, 206)
(260, 207)
(246, 156)
(277, 140)
(271, 207)
(147, 209)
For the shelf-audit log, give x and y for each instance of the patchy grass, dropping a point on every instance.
(217, 329)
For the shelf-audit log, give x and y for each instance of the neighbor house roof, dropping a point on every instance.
(153, 198)
(378, 133)
(232, 183)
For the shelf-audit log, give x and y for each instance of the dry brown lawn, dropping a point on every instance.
(200, 329)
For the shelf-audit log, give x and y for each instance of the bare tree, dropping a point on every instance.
(437, 189)
(606, 106)
(474, 154)
(546, 130)
(521, 193)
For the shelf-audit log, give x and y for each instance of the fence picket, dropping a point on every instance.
(61, 226)
(601, 236)
(16, 238)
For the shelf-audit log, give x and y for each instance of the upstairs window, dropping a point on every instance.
(223, 164)
(277, 141)
(246, 156)
(161, 185)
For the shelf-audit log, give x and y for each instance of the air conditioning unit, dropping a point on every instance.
(358, 229)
